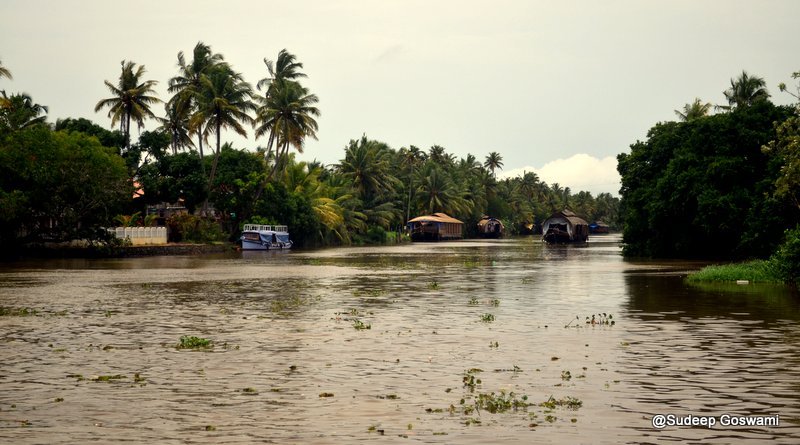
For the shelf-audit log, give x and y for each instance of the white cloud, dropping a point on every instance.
(578, 172)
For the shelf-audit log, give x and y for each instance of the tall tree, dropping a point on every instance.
(19, 111)
(411, 159)
(366, 167)
(287, 114)
(493, 161)
(286, 67)
(694, 110)
(176, 124)
(223, 102)
(745, 90)
(187, 84)
(437, 192)
(131, 99)
(287, 109)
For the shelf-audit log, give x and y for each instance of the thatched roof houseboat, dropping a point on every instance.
(438, 226)
(565, 227)
(489, 227)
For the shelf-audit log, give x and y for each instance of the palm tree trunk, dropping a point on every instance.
(128, 132)
(200, 146)
(216, 158)
(266, 179)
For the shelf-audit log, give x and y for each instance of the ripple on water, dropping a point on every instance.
(289, 365)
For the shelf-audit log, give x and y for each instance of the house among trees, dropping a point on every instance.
(436, 227)
(565, 227)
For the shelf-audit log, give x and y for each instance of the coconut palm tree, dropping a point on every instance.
(186, 85)
(131, 100)
(366, 168)
(18, 111)
(4, 72)
(176, 124)
(223, 102)
(411, 158)
(493, 161)
(782, 86)
(285, 68)
(745, 91)
(287, 114)
(694, 110)
(438, 193)
(439, 154)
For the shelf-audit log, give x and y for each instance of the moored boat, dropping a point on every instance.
(490, 227)
(436, 227)
(565, 227)
(265, 237)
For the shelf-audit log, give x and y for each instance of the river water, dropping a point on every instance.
(396, 344)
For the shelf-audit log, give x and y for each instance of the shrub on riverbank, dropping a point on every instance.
(782, 267)
(757, 271)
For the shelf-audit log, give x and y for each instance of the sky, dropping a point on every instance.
(557, 88)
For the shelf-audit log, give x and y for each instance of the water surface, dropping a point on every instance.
(290, 366)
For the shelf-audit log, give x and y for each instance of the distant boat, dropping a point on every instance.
(265, 237)
(490, 227)
(436, 227)
(565, 227)
(598, 227)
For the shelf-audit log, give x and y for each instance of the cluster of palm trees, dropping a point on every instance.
(744, 91)
(377, 187)
(210, 97)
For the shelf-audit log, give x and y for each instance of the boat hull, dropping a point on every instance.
(265, 240)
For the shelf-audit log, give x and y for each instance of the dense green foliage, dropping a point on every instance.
(782, 266)
(66, 181)
(57, 185)
(755, 271)
(704, 188)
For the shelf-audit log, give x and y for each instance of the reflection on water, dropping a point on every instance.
(294, 361)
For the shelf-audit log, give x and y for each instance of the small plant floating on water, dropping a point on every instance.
(192, 342)
(433, 285)
(594, 319)
(487, 318)
(360, 325)
(17, 312)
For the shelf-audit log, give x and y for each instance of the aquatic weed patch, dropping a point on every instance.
(192, 342)
(290, 304)
(599, 319)
(360, 325)
(17, 312)
(475, 402)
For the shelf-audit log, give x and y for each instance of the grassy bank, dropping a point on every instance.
(756, 271)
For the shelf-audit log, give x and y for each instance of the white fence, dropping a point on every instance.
(141, 235)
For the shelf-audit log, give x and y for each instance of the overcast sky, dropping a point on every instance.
(559, 88)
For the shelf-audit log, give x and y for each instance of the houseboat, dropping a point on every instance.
(436, 227)
(489, 227)
(598, 227)
(265, 237)
(565, 227)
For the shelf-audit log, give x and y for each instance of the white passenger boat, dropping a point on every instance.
(265, 237)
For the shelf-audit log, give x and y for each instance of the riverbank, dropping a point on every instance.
(756, 271)
(106, 251)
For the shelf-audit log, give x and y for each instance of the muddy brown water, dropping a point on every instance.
(289, 365)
